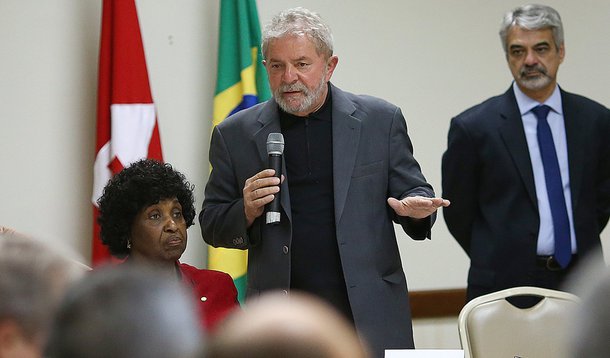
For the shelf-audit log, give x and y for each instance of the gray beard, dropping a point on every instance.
(536, 83)
(310, 97)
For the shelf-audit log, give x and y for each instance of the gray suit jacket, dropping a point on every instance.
(372, 161)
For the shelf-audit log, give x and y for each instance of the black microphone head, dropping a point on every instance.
(275, 143)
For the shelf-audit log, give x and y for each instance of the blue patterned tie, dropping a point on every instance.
(554, 188)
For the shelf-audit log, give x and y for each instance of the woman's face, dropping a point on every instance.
(158, 232)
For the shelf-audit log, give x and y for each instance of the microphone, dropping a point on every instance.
(275, 149)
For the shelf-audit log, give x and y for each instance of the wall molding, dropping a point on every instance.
(437, 303)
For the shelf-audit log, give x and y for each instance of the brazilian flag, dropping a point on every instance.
(241, 83)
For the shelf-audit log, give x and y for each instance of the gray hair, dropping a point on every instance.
(33, 278)
(532, 17)
(299, 22)
(126, 311)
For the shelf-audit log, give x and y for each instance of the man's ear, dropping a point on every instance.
(562, 53)
(331, 64)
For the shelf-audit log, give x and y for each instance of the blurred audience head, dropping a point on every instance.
(126, 312)
(296, 326)
(33, 279)
(590, 326)
(9, 232)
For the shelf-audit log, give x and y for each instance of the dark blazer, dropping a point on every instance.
(372, 160)
(488, 177)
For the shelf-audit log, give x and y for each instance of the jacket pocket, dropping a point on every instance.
(397, 276)
(367, 169)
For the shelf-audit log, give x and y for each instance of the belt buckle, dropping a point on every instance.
(552, 264)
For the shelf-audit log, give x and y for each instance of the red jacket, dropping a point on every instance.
(214, 291)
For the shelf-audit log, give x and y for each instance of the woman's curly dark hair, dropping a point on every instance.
(136, 187)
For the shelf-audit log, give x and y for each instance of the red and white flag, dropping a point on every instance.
(126, 116)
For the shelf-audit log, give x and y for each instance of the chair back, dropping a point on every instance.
(490, 326)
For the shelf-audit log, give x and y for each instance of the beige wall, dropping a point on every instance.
(432, 58)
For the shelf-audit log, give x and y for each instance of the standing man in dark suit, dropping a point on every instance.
(530, 191)
(349, 173)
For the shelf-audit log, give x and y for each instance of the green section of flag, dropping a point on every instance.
(241, 283)
(241, 82)
(239, 33)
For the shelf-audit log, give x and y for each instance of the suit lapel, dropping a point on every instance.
(513, 135)
(269, 120)
(576, 137)
(346, 138)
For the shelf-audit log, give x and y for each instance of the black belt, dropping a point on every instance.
(551, 264)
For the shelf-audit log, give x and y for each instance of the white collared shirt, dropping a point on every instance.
(546, 241)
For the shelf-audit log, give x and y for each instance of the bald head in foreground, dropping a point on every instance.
(295, 326)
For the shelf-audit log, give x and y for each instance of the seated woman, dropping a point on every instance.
(144, 213)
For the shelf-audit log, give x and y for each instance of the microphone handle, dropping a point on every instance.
(273, 208)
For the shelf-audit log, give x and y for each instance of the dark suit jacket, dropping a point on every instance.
(488, 177)
(372, 161)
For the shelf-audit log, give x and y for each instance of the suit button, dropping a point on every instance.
(285, 249)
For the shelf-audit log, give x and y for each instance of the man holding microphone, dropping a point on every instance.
(349, 173)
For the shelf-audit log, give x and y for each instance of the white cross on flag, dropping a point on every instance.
(126, 117)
